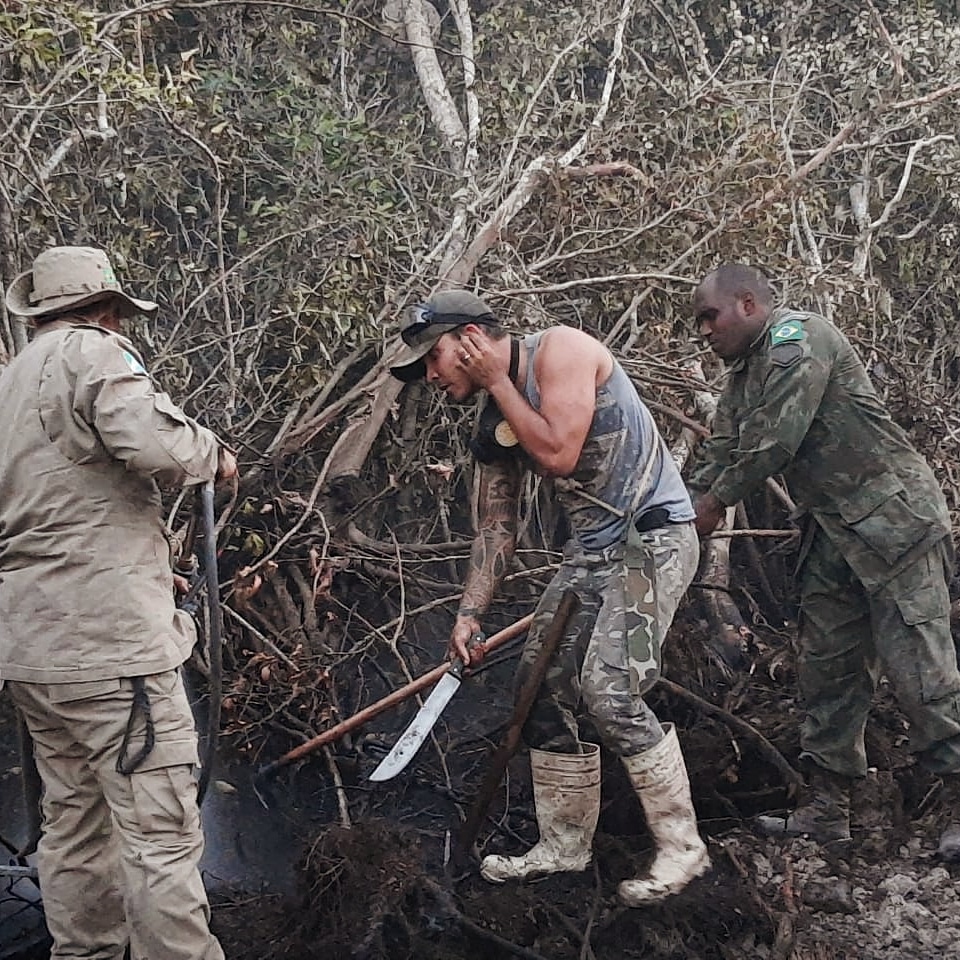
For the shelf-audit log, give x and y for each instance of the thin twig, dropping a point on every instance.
(266, 641)
(338, 784)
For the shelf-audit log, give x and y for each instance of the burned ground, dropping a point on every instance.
(354, 869)
(388, 886)
(347, 868)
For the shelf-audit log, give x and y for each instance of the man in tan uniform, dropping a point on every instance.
(91, 641)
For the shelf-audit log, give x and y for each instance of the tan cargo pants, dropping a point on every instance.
(118, 856)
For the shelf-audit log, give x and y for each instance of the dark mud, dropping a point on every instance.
(389, 886)
(302, 879)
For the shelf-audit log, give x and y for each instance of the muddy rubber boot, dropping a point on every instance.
(949, 849)
(659, 777)
(823, 814)
(566, 796)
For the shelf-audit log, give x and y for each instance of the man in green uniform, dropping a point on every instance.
(877, 554)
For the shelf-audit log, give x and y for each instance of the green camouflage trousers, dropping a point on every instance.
(848, 638)
(610, 654)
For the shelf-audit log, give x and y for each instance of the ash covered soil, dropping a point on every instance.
(391, 885)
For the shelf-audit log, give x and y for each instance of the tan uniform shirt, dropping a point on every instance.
(86, 588)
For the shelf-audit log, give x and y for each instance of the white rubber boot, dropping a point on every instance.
(660, 779)
(566, 796)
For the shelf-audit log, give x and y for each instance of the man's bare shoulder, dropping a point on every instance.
(565, 346)
(563, 339)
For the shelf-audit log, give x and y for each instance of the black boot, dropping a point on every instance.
(949, 849)
(823, 813)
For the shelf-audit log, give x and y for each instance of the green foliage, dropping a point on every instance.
(276, 177)
(296, 151)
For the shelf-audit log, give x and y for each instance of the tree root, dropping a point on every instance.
(765, 747)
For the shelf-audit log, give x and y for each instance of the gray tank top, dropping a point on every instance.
(614, 456)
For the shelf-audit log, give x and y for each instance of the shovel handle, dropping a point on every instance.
(214, 637)
(566, 609)
(385, 703)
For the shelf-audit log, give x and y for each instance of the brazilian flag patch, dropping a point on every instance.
(134, 364)
(787, 331)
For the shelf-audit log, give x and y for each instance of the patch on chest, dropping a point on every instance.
(494, 439)
(504, 435)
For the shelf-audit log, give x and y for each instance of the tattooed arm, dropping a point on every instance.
(490, 555)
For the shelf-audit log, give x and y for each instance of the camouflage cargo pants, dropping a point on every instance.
(118, 856)
(848, 637)
(610, 654)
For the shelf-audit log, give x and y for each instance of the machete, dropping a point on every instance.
(405, 749)
(264, 776)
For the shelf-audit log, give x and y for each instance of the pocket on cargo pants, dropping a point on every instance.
(162, 800)
(628, 631)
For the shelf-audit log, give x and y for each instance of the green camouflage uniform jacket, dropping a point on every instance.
(801, 403)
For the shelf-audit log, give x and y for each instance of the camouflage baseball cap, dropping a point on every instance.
(64, 277)
(429, 321)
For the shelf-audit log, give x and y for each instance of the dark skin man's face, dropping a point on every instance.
(728, 322)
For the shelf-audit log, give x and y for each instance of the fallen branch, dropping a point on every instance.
(265, 640)
(696, 428)
(446, 902)
(592, 281)
(338, 784)
(360, 539)
(765, 747)
(513, 948)
(756, 559)
(726, 534)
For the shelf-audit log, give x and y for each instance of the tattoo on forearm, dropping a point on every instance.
(493, 546)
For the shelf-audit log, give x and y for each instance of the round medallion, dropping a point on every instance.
(504, 435)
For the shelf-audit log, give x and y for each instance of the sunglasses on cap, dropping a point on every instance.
(423, 318)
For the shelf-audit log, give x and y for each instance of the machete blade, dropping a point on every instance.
(405, 749)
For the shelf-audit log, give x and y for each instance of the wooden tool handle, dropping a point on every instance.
(385, 703)
(569, 604)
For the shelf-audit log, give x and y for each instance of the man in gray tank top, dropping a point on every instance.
(561, 406)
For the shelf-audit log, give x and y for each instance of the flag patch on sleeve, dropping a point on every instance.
(134, 364)
(785, 332)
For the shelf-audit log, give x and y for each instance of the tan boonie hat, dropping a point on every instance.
(64, 277)
(444, 311)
